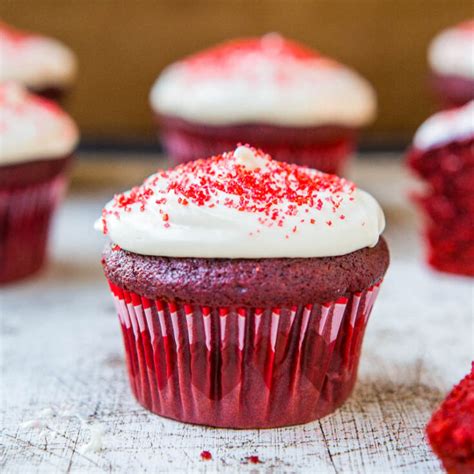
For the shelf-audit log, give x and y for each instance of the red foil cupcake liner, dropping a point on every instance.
(328, 157)
(242, 367)
(25, 215)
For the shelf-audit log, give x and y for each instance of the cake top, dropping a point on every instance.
(33, 60)
(32, 128)
(451, 52)
(267, 80)
(243, 204)
(445, 127)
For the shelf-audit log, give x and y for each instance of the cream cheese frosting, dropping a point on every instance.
(243, 204)
(267, 80)
(35, 61)
(32, 128)
(452, 51)
(446, 126)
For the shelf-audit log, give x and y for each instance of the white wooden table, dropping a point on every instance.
(63, 376)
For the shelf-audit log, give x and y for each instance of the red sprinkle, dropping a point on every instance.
(274, 191)
(206, 455)
(254, 459)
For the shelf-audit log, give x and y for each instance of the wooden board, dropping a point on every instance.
(63, 366)
(122, 46)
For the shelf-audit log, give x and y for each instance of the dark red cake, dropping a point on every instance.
(274, 93)
(451, 57)
(451, 428)
(443, 156)
(37, 140)
(216, 335)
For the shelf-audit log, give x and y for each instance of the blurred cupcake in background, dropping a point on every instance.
(451, 59)
(36, 142)
(272, 92)
(443, 156)
(243, 287)
(44, 65)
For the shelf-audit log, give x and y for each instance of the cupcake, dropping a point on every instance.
(36, 142)
(277, 94)
(243, 287)
(451, 60)
(43, 65)
(451, 428)
(443, 156)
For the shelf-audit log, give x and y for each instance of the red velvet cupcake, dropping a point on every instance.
(36, 142)
(274, 93)
(243, 287)
(43, 65)
(443, 156)
(451, 428)
(451, 58)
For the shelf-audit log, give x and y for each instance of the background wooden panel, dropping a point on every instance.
(122, 46)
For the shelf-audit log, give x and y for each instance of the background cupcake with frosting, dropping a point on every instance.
(277, 94)
(36, 142)
(243, 287)
(451, 60)
(442, 155)
(44, 65)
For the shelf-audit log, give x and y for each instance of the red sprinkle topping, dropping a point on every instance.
(206, 455)
(254, 460)
(17, 105)
(232, 57)
(273, 190)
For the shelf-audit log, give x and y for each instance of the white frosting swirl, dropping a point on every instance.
(446, 126)
(452, 51)
(32, 128)
(35, 61)
(243, 205)
(267, 80)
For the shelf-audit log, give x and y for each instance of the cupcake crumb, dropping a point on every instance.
(206, 455)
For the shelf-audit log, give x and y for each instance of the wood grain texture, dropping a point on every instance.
(122, 46)
(61, 349)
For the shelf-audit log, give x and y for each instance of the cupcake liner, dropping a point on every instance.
(25, 214)
(242, 367)
(330, 158)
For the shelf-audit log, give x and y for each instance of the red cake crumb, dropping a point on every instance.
(206, 455)
(451, 428)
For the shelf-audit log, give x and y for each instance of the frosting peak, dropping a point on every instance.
(32, 128)
(269, 79)
(452, 51)
(243, 204)
(33, 60)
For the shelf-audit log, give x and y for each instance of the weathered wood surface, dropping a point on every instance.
(63, 370)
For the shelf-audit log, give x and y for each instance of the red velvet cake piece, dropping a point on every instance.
(443, 156)
(271, 92)
(451, 428)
